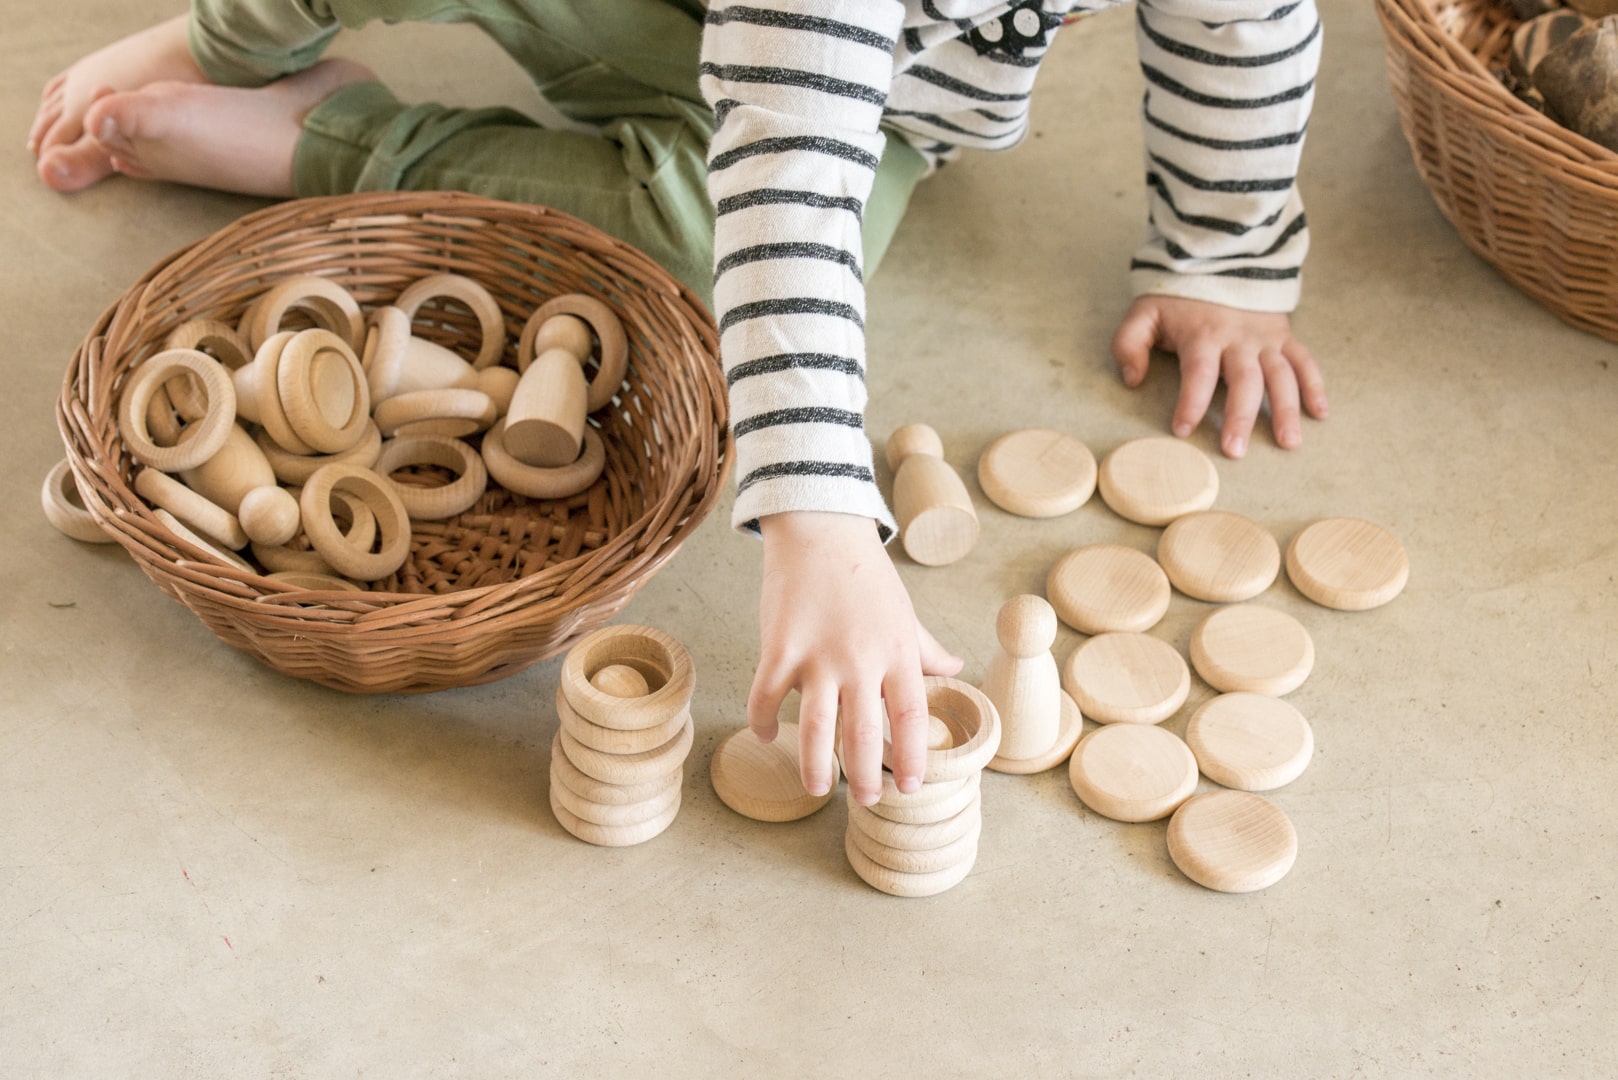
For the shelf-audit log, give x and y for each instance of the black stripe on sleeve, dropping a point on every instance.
(1180, 90)
(836, 469)
(786, 20)
(791, 305)
(779, 196)
(956, 86)
(1202, 56)
(769, 365)
(1275, 16)
(1294, 227)
(1289, 138)
(1225, 187)
(807, 80)
(816, 144)
(1251, 273)
(805, 415)
(1213, 224)
(789, 250)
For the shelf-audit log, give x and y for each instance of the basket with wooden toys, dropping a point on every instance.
(398, 442)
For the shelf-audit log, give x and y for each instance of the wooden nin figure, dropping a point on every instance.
(936, 521)
(1023, 681)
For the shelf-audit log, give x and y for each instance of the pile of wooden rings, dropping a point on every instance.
(287, 435)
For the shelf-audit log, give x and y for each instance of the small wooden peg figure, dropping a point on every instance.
(936, 521)
(545, 420)
(1023, 681)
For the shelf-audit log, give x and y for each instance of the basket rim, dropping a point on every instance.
(256, 596)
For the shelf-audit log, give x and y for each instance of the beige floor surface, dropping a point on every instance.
(210, 870)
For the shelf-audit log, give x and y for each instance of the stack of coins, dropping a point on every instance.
(617, 764)
(924, 842)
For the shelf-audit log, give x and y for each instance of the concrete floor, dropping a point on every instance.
(211, 870)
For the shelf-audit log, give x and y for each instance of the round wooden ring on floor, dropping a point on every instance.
(1155, 480)
(1037, 473)
(614, 815)
(477, 299)
(208, 547)
(618, 741)
(600, 792)
(760, 780)
(1249, 741)
(1218, 556)
(328, 305)
(541, 483)
(895, 883)
(932, 803)
(1127, 679)
(455, 413)
(609, 330)
(630, 769)
(207, 436)
(610, 835)
(392, 522)
(290, 468)
(65, 510)
(922, 836)
(1347, 564)
(1067, 737)
(323, 391)
(933, 860)
(202, 514)
(446, 500)
(1101, 588)
(1133, 772)
(1232, 841)
(1254, 648)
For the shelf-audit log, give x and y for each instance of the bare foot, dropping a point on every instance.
(67, 158)
(217, 137)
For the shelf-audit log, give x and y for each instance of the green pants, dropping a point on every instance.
(626, 68)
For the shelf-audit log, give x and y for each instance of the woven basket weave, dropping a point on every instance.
(1536, 201)
(509, 582)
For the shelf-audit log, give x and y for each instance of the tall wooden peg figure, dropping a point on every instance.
(936, 521)
(546, 417)
(1039, 723)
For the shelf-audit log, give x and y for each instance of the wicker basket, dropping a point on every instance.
(1536, 201)
(509, 582)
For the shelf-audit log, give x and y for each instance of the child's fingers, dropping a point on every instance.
(764, 704)
(1244, 395)
(1199, 377)
(1311, 384)
(935, 659)
(906, 701)
(862, 742)
(817, 731)
(1282, 387)
(1132, 343)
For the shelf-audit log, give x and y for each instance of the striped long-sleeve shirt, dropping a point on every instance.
(803, 91)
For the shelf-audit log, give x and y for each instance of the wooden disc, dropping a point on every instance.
(1249, 741)
(1232, 841)
(895, 883)
(1254, 648)
(1347, 564)
(613, 835)
(1106, 587)
(1218, 556)
(1153, 481)
(1132, 772)
(1127, 679)
(1037, 473)
(763, 781)
(1067, 737)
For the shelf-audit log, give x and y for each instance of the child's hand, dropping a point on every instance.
(1254, 352)
(835, 623)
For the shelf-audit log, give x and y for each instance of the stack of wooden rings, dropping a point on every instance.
(618, 759)
(925, 842)
(354, 422)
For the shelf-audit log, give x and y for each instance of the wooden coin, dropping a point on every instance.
(1106, 587)
(1126, 679)
(1153, 481)
(895, 883)
(1132, 772)
(1218, 556)
(1250, 741)
(612, 835)
(1347, 564)
(760, 780)
(1254, 648)
(1037, 473)
(1232, 841)
(1067, 738)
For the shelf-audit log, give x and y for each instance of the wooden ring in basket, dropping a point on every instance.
(541, 483)
(609, 330)
(211, 431)
(202, 514)
(361, 533)
(475, 297)
(258, 389)
(220, 341)
(392, 522)
(293, 468)
(330, 305)
(65, 509)
(309, 396)
(434, 503)
(453, 412)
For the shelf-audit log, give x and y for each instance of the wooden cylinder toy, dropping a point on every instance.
(545, 420)
(237, 468)
(937, 524)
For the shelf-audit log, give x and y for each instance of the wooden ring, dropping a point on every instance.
(260, 384)
(617, 740)
(609, 835)
(65, 509)
(895, 883)
(914, 837)
(452, 412)
(541, 483)
(972, 720)
(942, 801)
(296, 469)
(300, 384)
(661, 660)
(434, 503)
(474, 296)
(588, 787)
(361, 533)
(328, 305)
(218, 339)
(613, 815)
(930, 860)
(211, 431)
(209, 549)
(392, 522)
(630, 768)
(207, 517)
(609, 331)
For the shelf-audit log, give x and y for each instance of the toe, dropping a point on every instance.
(75, 167)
